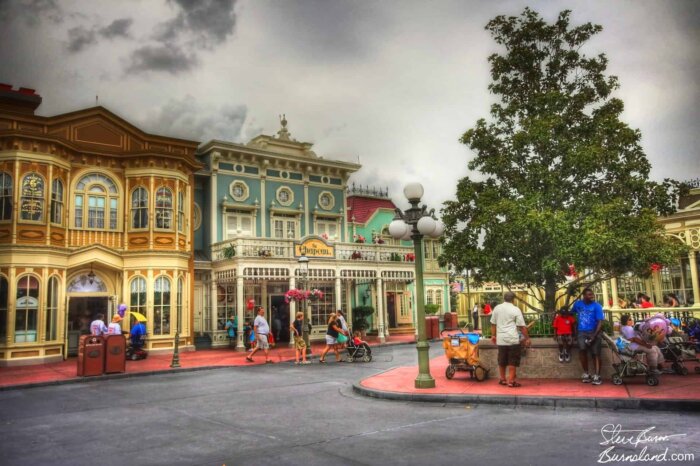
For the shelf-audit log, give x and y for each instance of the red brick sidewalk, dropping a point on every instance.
(400, 381)
(67, 370)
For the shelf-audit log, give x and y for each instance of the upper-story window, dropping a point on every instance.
(328, 229)
(57, 202)
(139, 208)
(5, 196)
(32, 198)
(181, 212)
(239, 224)
(164, 208)
(285, 227)
(99, 194)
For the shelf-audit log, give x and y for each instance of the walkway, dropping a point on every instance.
(673, 392)
(43, 374)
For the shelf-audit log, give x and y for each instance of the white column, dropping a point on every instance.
(381, 328)
(694, 277)
(604, 286)
(615, 298)
(338, 298)
(292, 308)
(214, 305)
(239, 312)
(213, 200)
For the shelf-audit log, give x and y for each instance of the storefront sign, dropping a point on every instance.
(314, 247)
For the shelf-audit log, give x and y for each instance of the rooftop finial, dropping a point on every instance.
(283, 133)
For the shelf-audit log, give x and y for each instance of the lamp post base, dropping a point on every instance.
(176, 352)
(424, 381)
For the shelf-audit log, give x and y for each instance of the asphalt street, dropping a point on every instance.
(292, 415)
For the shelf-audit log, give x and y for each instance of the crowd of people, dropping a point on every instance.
(582, 326)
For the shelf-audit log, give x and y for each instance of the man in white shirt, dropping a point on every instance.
(262, 330)
(98, 327)
(506, 320)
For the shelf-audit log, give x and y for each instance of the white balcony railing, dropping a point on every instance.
(284, 249)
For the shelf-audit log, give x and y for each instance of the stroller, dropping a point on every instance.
(360, 352)
(677, 350)
(628, 363)
(135, 351)
(462, 352)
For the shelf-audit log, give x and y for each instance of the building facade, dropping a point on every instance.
(93, 212)
(269, 202)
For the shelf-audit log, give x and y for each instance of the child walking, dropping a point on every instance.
(564, 329)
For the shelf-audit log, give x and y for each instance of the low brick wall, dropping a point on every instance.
(541, 361)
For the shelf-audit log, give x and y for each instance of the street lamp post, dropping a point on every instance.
(415, 223)
(303, 274)
(176, 350)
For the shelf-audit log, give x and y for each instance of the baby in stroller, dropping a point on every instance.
(678, 349)
(358, 349)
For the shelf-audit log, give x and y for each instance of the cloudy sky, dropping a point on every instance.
(393, 83)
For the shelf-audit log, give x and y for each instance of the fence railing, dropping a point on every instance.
(540, 323)
(271, 248)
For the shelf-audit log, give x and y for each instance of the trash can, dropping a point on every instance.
(115, 354)
(435, 327)
(451, 321)
(91, 358)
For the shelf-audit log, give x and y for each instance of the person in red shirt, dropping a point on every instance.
(645, 302)
(487, 309)
(564, 330)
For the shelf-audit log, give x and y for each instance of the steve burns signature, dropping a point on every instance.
(614, 434)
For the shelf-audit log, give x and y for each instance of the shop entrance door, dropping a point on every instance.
(391, 309)
(278, 316)
(81, 312)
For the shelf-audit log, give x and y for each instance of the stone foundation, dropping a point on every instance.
(541, 361)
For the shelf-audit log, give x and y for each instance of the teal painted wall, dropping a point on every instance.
(201, 236)
(224, 181)
(271, 187)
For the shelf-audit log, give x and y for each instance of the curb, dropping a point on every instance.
(127, 375)
(647, 404)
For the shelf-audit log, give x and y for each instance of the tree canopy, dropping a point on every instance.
(564, 180)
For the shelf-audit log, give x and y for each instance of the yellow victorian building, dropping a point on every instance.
(93, 212)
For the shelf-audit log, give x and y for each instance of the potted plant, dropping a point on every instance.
(295, 295)
(229, 252)
(431, 309)
(410, 257)
(359, 318)
(359, 238)
(356, 255)
(265, 253)
(315, 294)
(395, 256)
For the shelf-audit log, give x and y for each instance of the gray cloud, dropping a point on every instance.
(30, 11)
(117, 28)
(187, 118)
(207, 23)
(169, 59)
(80, 37)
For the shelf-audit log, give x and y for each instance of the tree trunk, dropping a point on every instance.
(550, 296)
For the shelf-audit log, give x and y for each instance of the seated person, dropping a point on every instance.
(356, 340)
(653, 354)
(138, 333)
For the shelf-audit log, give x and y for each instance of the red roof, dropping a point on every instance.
(362, 208)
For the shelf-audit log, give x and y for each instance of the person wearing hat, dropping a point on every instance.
(115, 328)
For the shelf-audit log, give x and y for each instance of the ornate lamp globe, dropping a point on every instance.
(426, 225)
(397, 228)
(439, 229)
(413, 191)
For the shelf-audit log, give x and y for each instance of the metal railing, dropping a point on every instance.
(540, 323)
(284, 249)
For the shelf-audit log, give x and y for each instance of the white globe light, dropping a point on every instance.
(397, 229)
(426, 225)
(408, 234)
(413, 191)
(439, 229)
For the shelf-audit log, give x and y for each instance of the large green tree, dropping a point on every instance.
(563, 179)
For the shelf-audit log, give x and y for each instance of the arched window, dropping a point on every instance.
(27, 306)
(137, 302)
(52, 309)
(181, 212)
(99, 193)
(179, 304)
(161, 306)
(4, 298)
(438, 297)
(164, 208)
(32, 198)
(139, 208)
(5, 196)
(429, 297)
(57, 202)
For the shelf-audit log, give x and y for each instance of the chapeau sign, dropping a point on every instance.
(314, 247)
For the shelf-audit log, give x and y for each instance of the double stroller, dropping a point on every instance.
(627, 363)
(462, 352)
(135, 349)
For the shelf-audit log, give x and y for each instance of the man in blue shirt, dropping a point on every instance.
(138, 332)
(589, 318)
